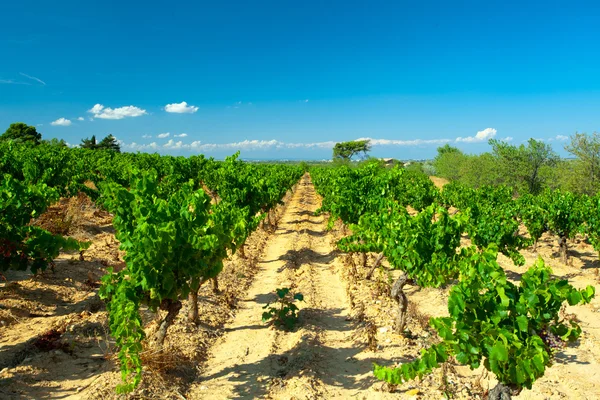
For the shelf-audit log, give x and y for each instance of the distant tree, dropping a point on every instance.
(449, 162)
(481, 169)
(522, 166)
(55, 142)
(346, 150)
(587, 150)
(89, 143)
(22, 133)
(109, 143)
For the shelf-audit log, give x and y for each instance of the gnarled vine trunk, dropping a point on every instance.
(500, 392)
(193, 310)
(399, 295)
(564, 249)
(354, 271)
(195, 286)
(215, 282)
(172, 307)
(375, 266)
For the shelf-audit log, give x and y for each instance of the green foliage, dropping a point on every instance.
(492, 319)
(448, 162)
(349, 193)
(64, 170)
(108, 143)
(20, 132)
(521, 166)
(592, 222)
(23, 245)
(89, 143)
(492, 216)
(55, 142)
(346, 150)
(423, 246)
(176, 236)
(565, 212)
(587, 150)
(512, 329)
(284, 312)
(167, 244)
(533, 214)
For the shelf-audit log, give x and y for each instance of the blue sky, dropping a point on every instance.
(283, 79)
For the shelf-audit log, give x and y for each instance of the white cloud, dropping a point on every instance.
(102, 112)
(252, 145)
(562, 138)
(61, 122)
(181, 108)
(163, 135)
(80, 119)
(181, 135)
(171, 144)
(413, 142)
(507, 139)
(33, 78)
(146, 136)
(481, 136)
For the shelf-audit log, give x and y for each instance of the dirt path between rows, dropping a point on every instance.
(253, 360)
(345, 324)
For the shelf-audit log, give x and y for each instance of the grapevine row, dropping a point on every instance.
(512, 329)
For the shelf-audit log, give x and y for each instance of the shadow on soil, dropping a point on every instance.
(254, 380)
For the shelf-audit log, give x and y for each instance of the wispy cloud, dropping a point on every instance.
(99, 111)
(412, 142)
(481, 136)
(61, 122)
(163, 135)
(239, 104)
(146, 136)
(181, 108)
(33, 78)
(80, 119)
(11, 82)
(181, 135)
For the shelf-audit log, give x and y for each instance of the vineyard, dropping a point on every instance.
(147, 276)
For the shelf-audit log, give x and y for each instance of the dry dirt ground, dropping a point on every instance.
(54, 341)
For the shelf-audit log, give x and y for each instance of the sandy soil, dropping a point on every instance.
(54, 340)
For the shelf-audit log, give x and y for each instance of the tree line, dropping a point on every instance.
(528, 168)
(20, 132)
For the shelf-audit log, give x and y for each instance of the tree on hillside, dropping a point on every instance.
(523, 165)
(587, 150)
(449, 162)
(89, 143)
(346, 150)
(109, 143)
(22, 133)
